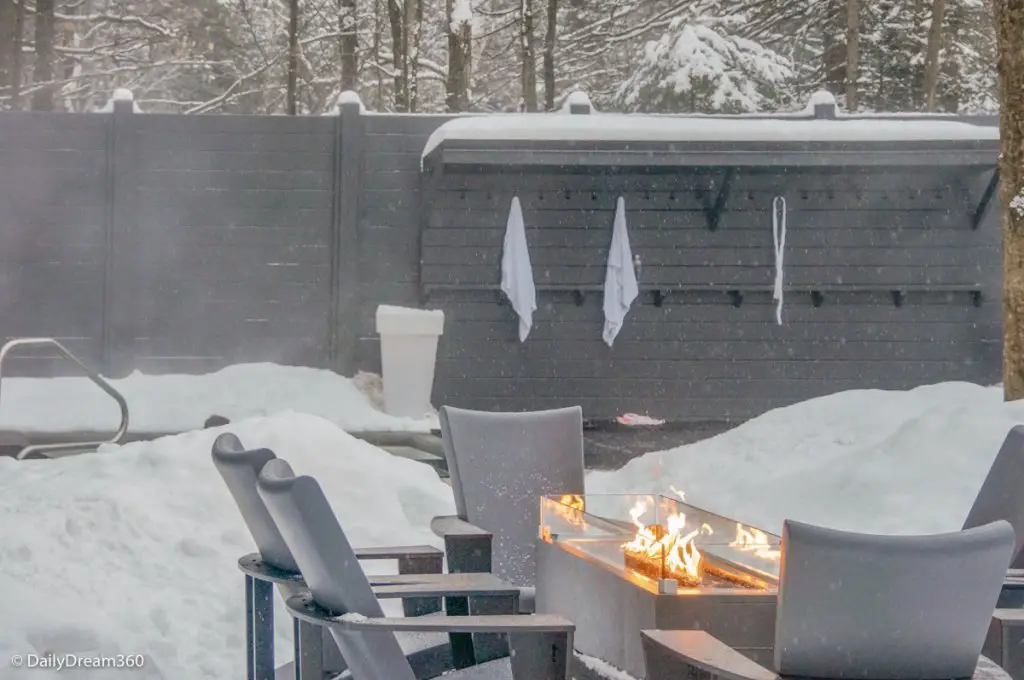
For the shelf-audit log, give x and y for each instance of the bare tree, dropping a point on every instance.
(291, 93)
(45, 31)
(460, 57)
(933, 52)
(528, 55)
(1009, 18)
(550, 40)
(349, 43)
(853, 52)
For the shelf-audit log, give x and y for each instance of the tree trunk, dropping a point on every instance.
(347, 13)
(42, 99)
(853, 52)
(933, 53)
(550, 36)
(528, 55)
(1009, 17)
(291, 94)
(413, 31)
(7, 24)
(460, 41)
(396, 16)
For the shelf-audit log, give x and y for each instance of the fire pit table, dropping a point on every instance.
(618, 564)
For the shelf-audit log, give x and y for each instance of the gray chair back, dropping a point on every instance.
(335, 579)
(1002, 493)
(501, 464)
(240, 468)
(887, 607)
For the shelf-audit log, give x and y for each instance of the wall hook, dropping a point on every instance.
(898, 298)
(540, 195)
(567, 195)
(578, 297)
(671, 195)
(736, 297)
(593, 195)
(462, 195)
(977, 297)
(658, 298)
(817, 298)
(637, 266)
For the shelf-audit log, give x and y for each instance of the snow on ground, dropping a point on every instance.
(862, 460)
(133, 549)
(179, 403)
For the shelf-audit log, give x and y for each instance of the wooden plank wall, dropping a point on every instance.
(697, 356)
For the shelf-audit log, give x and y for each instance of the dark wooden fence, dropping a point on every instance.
(185, 243)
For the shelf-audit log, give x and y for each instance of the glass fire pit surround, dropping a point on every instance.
(662, 542)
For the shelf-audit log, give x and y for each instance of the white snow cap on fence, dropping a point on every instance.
(577, 98)
(820, 98)
(349, 97)
(121, 94)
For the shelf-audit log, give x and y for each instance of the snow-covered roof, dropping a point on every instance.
(611, 127)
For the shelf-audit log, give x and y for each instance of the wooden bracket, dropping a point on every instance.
(981, 211)
(714, 211)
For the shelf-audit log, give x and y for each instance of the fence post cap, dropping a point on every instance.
(577, 102)
(121, 99)
(822, 104)
(349, 98)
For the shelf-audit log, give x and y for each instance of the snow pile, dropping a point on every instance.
(134, 549)
(862, 460)
(179, 403)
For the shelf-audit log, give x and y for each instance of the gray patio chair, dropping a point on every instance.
(340, 597)
(500, 465)
(863, 606)
(1002, 497)
(274, 565)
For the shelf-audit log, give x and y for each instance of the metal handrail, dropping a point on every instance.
(92, 375)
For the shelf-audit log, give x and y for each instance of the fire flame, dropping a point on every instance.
(754, 540)
(667, 545)
(570, 508)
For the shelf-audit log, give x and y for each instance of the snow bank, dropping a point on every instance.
(179, 403)
(133, 550)
(616, 127)
(862, 460)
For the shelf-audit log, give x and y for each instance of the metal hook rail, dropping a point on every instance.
(92, 375)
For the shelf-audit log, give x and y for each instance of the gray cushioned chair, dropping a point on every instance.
(341, 599)
(864, 606)
(274, 565)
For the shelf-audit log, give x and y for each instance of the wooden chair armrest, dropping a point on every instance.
(304, 608)
(398, 552)
(444, 585)
(696, 654)
(450, 526)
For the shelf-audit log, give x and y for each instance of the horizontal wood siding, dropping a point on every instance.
(53, 219)
(697, 356)
(231, 255)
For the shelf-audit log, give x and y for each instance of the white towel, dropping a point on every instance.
(620, 287)
(516, 271)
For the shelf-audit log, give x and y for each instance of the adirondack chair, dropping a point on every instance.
(274, 565)
(341, 599)
(1002, 497)
(500, 465)
(862, 606)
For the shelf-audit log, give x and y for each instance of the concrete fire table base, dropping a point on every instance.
(610, 606)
